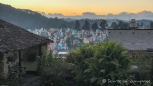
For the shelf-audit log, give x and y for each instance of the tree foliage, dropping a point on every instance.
(107, 60)
(103, 24)
(122, 25)
(94, 26)
(114, 25)
(141, 24)
(151, 25)
(86, 25)
(77, 25)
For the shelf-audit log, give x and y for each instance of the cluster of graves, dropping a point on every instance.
(66, 39)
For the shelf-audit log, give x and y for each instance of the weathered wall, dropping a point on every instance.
(30, 65)
(133, 39)
(10, 63)
(1, 64)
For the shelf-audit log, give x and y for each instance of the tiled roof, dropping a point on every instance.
(15, 38)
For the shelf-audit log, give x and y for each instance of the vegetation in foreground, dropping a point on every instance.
(93, 65)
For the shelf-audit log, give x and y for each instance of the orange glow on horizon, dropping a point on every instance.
(77, 7)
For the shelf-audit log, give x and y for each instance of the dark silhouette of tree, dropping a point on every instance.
(103, 24)
(114, 25)
(86, 25)
(77, 25)
(56, 18)
(151, 25)
(120, 25)
(126, 25)
(69, 41)
(138, 24)
(94, 26)
(123, 25)
(141, 24)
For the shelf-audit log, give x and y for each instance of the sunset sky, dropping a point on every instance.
(77, 7)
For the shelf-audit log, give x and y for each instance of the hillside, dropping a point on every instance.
(29, 19)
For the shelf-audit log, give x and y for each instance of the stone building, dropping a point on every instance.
(137, 39)
(133, 23)
(19, 48)
(133, 39)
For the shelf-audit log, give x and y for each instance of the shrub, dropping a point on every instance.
(52, 71)
(143, 62)
(106, 60)
(11, 80)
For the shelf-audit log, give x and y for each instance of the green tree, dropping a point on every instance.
(103, 24)
(94, 26)
(151, 25)
(93, 64)
(77, 25)
(114, 25)
(86, 25)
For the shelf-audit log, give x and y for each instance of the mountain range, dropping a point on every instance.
(90, 15)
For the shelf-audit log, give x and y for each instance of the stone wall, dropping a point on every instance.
(10, 63)
(1, 64)
(136, 39)
(29, 65)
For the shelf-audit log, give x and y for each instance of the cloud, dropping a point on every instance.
(144, 12)
(90, 15)
(59, 15)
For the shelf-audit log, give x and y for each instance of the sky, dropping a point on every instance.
(77, 7)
